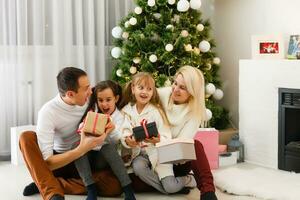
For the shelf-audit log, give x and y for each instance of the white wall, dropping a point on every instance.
(234, 23)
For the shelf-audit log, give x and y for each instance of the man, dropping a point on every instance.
(52, 157)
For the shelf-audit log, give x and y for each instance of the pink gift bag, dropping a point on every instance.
(209, 137)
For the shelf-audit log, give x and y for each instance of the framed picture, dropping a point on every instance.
(294, 47)
(267, 47)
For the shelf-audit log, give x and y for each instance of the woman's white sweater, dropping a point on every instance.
(182, 124)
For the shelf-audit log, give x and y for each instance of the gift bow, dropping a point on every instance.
(143, 124)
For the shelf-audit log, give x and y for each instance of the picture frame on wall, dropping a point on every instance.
(267, 47)
(294, 47)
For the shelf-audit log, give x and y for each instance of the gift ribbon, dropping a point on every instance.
(144, 123)
(95, 123)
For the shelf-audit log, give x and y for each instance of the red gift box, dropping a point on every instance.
(209, 137)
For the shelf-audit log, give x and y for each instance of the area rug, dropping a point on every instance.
(260, 182)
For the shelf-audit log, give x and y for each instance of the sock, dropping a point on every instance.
(57, 197)
(91, 192)
(129, 193)
(208, 196)
(30, 189)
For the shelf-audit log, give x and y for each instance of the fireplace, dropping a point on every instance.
(289, 129)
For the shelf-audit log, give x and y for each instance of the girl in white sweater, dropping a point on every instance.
(143, 103)
(104, 99)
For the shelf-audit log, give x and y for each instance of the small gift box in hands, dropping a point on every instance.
(146, 130)
(94, 123)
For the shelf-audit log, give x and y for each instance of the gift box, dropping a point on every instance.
(94, 123)
(176, 151)
(209, 137)
(146, 130)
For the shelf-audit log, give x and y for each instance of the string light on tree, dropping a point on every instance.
(196, 50)
(125, 35)
(188, 47)
(167, 83)
(157, 15)
(126, 24)
(136, 60)
(170, 27)
(184, 33)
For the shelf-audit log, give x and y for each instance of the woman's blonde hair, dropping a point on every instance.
(144, 78)
(195, 84)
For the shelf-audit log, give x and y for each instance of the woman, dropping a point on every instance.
(184, 104)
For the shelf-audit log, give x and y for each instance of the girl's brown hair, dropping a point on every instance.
(115, 88)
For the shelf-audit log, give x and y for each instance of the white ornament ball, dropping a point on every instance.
(208, 114)
(153, 58)
(210, 88)
(126, 24)
(136, 60)
(116, 52)
(132, 21)
(132, 70)
(169, 47)
(119, 72)
(170, 26)
(218, 94)
(217, 60)
(204, 46)
(183, 5)
(167, 83)
(171, 2)
(195, 4)
(151, 3)
(157, 15)
(125, 35)
(200, 27)
(184, 33)
(138, 10)
(117, 32)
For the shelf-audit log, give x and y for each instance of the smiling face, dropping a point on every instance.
(106, 101)
(143, 92)
(83, 92)
(180, 94)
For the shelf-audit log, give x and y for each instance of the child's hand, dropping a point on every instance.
(130, 141)
(110, 126)
(153, 140)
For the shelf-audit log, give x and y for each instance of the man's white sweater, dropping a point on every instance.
(56, 126)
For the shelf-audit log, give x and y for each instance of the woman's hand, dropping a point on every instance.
(153, 140)
(130, 141)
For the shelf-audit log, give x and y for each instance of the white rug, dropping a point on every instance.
(252, 180)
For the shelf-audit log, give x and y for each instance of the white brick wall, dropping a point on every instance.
(259, 81)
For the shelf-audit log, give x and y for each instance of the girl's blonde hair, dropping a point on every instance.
(194, 82)
(145, 79)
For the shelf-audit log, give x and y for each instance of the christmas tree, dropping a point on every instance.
(159, 37)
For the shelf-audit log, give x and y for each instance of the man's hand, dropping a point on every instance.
(153, 140)
(110, 126)
(130, 141)
(87, 143)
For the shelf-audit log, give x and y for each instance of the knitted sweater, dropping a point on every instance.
(182, 124)
(56, 126)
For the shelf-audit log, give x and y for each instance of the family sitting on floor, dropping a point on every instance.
(62, 161)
